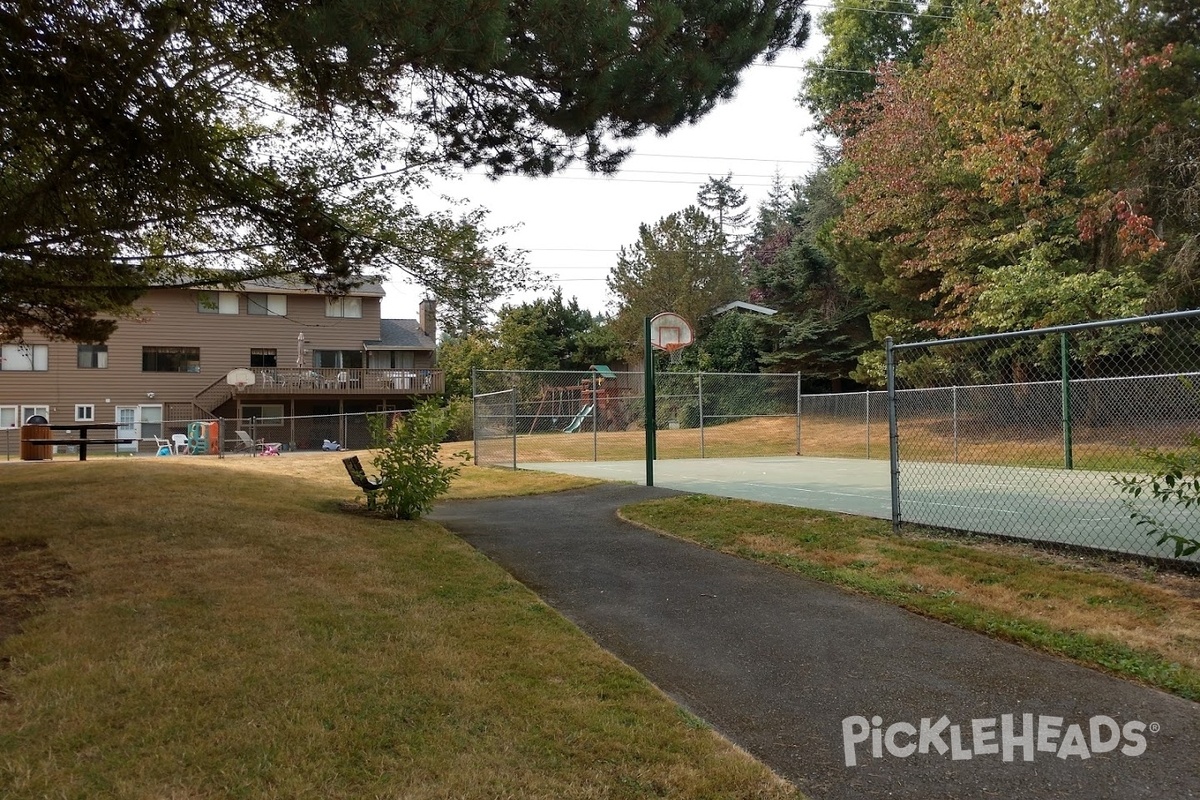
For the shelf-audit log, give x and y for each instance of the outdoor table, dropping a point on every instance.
(82, 439)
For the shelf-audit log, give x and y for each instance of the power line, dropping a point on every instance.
(608, 179)
(571, 249)
(913, 13)
(727, 158)
(674, 172)
(814, 68)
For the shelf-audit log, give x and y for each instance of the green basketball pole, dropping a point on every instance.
(648, 380)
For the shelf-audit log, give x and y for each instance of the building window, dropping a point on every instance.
(85, 413)
(263, 357)
(92, 356)
(261, 304)
(263, 415)
(170, 359)
(9, 417)
(343, 307)
(338, 359)
(391, 359)
(150, 421)
(34, 411)
(24, 357)
(217, 302)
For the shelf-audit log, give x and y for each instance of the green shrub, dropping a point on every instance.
(461, 412)
(407, 460)
(1174, 481)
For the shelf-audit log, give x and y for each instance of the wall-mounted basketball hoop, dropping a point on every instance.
(239, 378)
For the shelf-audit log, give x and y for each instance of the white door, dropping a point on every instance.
(127, 428)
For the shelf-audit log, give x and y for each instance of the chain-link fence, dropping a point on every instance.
(584, 416)
(844, 425)
(495, 429)
(220, 436)
(1039, 434)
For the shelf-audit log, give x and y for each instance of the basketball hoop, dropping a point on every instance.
(240, 378)
(670, 332)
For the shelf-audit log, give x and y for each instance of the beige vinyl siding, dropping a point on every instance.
(171, 318)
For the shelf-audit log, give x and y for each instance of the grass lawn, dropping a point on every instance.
(194, 628)
(1128, 620)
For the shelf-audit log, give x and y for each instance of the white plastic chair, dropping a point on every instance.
(181, 443)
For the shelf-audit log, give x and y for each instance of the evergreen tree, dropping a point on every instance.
(776, 211)
(551, 334)
(727, 204)
(679, 264)
(821, 326)
(213, 141)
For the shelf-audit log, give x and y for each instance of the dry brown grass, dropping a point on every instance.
(932, 440)
(231, 633)
(326, 469)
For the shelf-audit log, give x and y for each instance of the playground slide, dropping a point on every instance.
(577, 423)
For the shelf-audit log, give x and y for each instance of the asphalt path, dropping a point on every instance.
(808, 677)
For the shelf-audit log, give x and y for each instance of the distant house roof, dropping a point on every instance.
(400, 334)
(738, 305)
(285, 285)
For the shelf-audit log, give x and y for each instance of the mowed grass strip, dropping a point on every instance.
(231, 632)
(1146, 629)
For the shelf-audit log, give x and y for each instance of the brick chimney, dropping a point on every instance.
(427, 318)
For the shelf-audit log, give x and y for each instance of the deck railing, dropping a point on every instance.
(276, 381)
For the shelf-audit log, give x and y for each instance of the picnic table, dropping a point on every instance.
(81, 439)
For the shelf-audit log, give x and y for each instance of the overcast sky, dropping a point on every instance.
(572, 224)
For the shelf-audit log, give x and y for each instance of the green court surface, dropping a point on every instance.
(1076, 507)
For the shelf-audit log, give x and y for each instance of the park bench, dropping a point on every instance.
(359, 476)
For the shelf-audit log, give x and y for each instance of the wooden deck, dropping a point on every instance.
(346, 382)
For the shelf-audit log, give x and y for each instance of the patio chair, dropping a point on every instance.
(181, 443)
(162, 447)
(248, 445)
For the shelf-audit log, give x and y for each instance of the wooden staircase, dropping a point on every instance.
(211, 397)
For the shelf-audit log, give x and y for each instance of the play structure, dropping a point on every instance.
(203, 438)
(570, 409)
(577, 423)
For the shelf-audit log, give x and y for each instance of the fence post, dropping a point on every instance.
(595, 413)
(893, 438)
(253, 436)
(954, 418)
(474, 419)
(868, 424)
(1064, 350)
(514, 426)
(799, 408)
(700, 395)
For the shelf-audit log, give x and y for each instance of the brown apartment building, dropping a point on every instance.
(309, 354)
